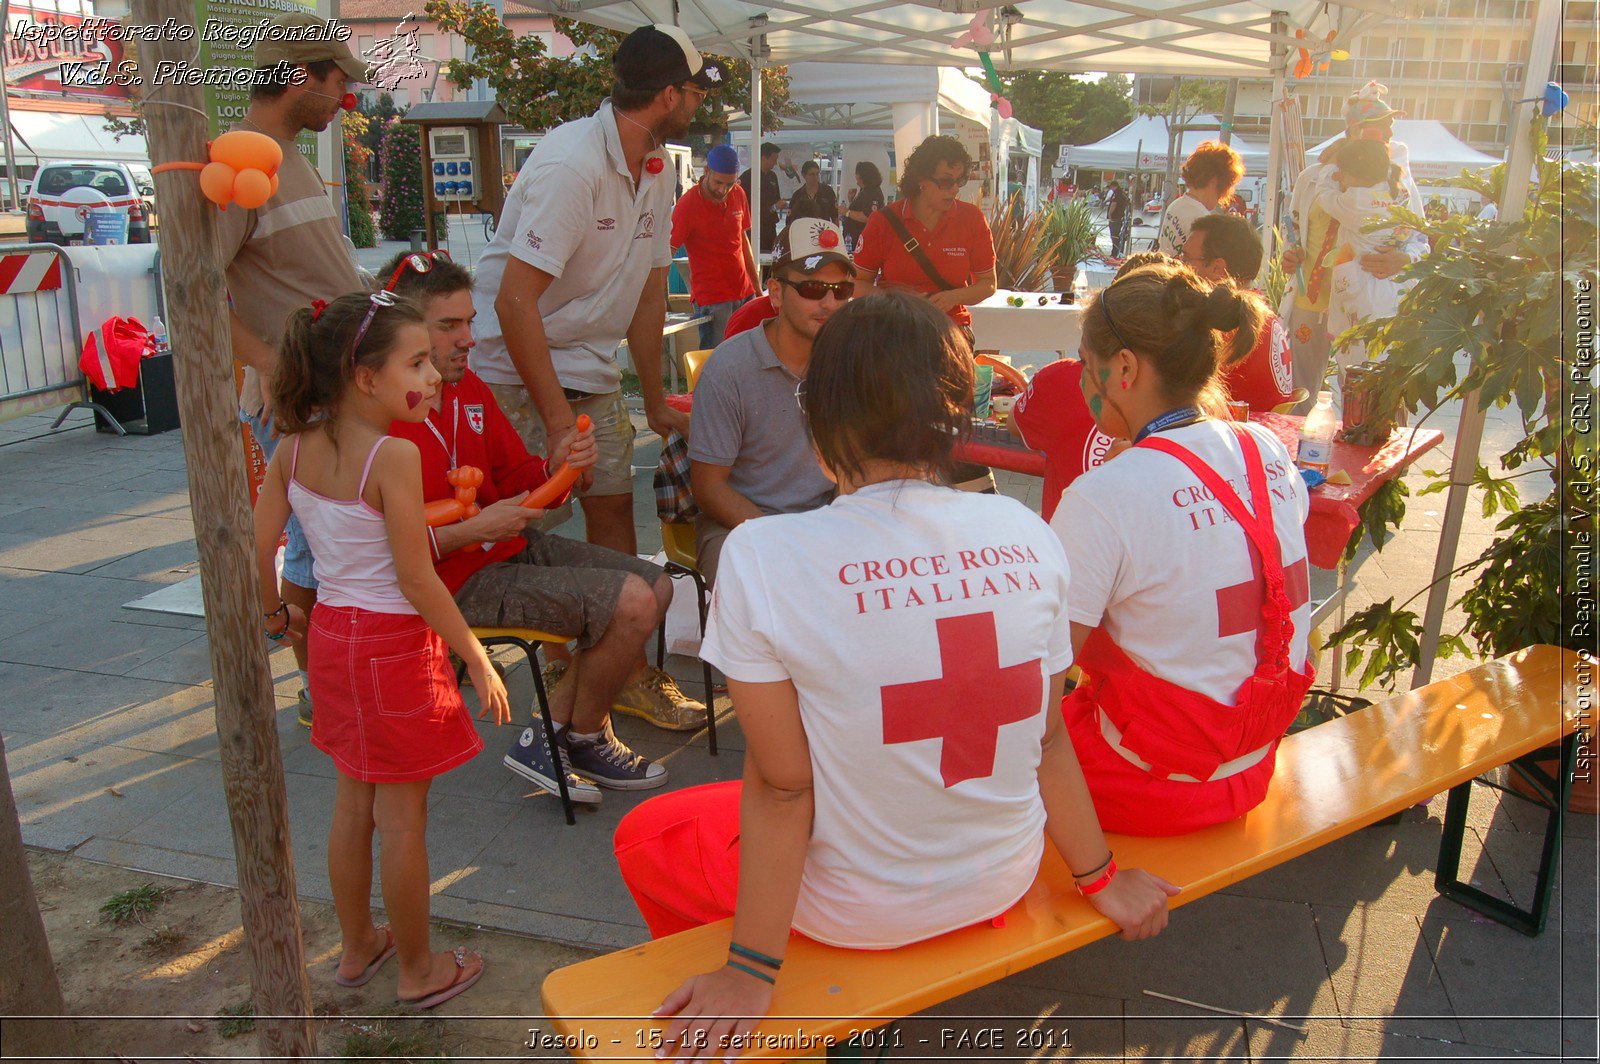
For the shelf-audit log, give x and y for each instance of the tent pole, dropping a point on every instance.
(1275, 136)
(1469, 431)
(756, 226)
(1228, 109)
(12, 177)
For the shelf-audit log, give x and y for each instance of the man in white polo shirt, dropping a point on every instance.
(578, 264)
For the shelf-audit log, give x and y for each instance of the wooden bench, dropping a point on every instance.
(1331, 780)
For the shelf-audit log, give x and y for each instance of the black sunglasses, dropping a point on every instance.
(945, 184)
(815, 290)
(417, 262)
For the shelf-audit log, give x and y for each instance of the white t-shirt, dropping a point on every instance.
(573, 212)
(920, 626)
(1176, 221)
(1168, 573)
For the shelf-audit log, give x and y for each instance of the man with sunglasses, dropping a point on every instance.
(504, 574)
(578, 263)
(710, 223)
(750, 455)
(290, 250)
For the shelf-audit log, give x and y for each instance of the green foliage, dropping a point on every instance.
(235, 1020)
(540, 91)
(1513, 295)
(1024, 250)
(402, 182)
(133, 904)
(1194, 95)
(358, 198)
(1073, 232)
(377, 118)
(1275, 280)
(1380, 516)
(1066, 108)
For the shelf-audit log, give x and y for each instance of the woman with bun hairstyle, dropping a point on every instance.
(896, 659)
(1188, 601)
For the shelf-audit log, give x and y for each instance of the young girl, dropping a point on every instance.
(1188, 553)
(388, 710)
(1361, 188)
(895, 658)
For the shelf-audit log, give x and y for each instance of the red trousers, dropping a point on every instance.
(679, 856)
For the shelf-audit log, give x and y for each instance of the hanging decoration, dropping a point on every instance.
(243, 169)
(1315, 56)
(979, 36)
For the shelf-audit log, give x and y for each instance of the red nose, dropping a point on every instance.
(654, 164)
(348, 102)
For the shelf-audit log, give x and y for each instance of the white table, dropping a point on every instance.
(1030, 327)
(675, 323)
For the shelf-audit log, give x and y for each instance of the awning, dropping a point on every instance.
(44, 136)
(1142, 145)
(1434, 150)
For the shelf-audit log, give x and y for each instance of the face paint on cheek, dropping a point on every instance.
(413, 400)
(1095, 405)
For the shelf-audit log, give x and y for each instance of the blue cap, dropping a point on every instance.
(723, 159)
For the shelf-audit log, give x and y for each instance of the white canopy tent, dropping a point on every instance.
(1142, 145)
(43, 136)
(1434, 150)
(1007, 138)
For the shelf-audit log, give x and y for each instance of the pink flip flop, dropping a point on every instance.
(377, 962)
(458, 985)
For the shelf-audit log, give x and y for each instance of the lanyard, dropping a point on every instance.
(455, 430)
(1170, 420)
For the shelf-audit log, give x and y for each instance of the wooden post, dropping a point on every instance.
(252, 764)
(28, 983)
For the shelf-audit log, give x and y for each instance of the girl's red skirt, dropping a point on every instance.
(386, 705)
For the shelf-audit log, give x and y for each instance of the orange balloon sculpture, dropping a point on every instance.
(243, 169)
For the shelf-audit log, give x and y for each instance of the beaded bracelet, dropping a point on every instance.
(283, 608)
(763, 976)
(752, 955)
(1086, 889)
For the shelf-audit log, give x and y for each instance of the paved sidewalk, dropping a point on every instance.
(108, 722)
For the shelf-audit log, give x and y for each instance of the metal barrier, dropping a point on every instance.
(51, 298)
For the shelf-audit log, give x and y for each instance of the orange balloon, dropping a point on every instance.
(216, 181)
(244, 149)
(251, 189)
(274, 179)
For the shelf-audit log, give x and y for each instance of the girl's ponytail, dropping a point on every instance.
(316, 361)
(296, 398)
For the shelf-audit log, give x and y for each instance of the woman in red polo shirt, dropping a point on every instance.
(954, 260)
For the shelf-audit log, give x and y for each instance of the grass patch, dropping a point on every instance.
(133, 904)
(630, 384)
(235, 1020)
(164, 942)
(395, 1040)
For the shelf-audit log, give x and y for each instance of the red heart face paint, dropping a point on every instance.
(413, 399)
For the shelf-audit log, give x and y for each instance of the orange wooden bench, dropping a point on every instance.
(1331, 780)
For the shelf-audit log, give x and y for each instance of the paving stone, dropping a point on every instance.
(36, 593)
(113, 648)
(1011, 1020)
(163, 564)
(1388, 866)
(1382, 973)
(55, 701)
(1516, 858)
(1328, 1040)
(1158, 1030)
(105, 791)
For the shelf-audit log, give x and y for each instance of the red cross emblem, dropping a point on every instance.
(1239, 606)
(967, 705)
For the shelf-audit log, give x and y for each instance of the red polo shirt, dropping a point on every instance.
(714, 235)
(1053, 417)
(747, 317)
(1265, 377)
(960, 248)
(469, 429)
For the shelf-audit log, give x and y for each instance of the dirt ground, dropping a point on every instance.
(154, 987)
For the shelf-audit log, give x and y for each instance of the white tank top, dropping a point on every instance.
(349, 544)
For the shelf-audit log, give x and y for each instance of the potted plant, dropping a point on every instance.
(1075, 235)
(1515, 296)
(1023, 247)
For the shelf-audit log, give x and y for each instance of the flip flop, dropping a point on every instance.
(458, 985)
(372, 969)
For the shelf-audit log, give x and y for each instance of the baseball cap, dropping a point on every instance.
(810, 244)
(653, 57)
(297, 37)
(723, 159)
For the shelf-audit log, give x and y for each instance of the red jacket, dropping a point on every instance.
(470, 429)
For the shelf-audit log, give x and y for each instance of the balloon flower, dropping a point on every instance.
(243, 169)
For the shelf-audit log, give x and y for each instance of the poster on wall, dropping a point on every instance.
(229, 32)
(64, 52)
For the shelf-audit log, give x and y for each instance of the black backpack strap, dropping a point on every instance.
(914, 249)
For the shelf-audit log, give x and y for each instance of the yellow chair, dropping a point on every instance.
(527, 640)
(1296, 397)
(677, 541)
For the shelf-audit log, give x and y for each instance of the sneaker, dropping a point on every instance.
(609, 762)
(655, 697)
(303, 709)
(530, 758)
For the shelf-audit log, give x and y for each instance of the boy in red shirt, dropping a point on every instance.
(502, 574)
(1224, 247)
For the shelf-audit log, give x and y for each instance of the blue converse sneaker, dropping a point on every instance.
(610, 763)
(529, 758)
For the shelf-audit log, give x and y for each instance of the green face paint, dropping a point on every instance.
(1094, 406)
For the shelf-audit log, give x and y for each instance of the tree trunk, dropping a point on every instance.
(28, 983)
(252, 764)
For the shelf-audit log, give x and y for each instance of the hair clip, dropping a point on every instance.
(317, 307)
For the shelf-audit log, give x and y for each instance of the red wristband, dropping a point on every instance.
(1100, 884)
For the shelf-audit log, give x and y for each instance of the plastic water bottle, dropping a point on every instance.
(158, 333)
(1316, 435)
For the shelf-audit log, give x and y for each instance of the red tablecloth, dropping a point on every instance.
(1333, 506)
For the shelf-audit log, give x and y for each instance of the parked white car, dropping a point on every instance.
(65, 192)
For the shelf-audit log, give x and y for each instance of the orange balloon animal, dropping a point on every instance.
(243, 169)
(559, 481)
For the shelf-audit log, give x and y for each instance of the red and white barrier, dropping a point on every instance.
(37, 272)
